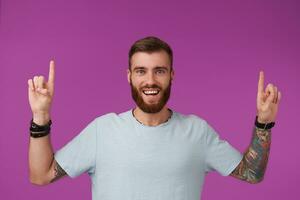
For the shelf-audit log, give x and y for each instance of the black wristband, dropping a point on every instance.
(39, 134)
(37, 131)
(264, 126)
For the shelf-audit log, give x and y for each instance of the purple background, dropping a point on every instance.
(219, 48)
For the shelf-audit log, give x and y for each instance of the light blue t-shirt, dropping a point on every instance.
(130, 161)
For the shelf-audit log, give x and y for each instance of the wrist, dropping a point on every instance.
(261, 120)
(41, 118)
(37, 131)
(262, 124)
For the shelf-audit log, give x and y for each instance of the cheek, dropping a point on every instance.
(136, 81)
(165, 82)
(136, 84)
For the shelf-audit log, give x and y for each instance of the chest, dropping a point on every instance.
(149, 155)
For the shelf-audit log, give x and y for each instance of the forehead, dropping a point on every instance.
(150, 60)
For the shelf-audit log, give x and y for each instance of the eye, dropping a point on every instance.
(160, 71)
(140, 71)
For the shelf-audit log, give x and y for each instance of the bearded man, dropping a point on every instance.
(150, 152)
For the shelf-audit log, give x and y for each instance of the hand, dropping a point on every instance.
(40, 93)
(267, 101)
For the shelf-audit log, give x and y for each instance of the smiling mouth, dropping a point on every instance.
(150, 92)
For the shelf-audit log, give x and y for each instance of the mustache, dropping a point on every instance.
(151, 86)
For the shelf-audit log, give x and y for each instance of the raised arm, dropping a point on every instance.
(43, 168)
(253, 165)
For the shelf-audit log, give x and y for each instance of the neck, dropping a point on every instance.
(152, 119)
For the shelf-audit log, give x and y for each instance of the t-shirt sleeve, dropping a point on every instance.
(79, 155)
(220, 155)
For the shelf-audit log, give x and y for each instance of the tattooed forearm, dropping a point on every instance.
(253, 165)
(59, 172)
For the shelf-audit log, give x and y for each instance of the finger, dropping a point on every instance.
(43, 91)
(275, 94)
(279, 97)
(271, 92)
(51, 75)
(30, 85)
(41, 82)
(260, 88)
(267, 90)
(35, 82)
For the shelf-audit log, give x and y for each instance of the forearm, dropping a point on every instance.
(40, 155)
(253, 165)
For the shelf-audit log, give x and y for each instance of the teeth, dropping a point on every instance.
(151, 92)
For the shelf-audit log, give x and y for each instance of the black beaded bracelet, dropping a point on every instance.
(264, 126)
(37, 131)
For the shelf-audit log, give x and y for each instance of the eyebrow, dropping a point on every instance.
(138, 67)
(157, 67)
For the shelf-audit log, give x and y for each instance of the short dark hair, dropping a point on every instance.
(150, 44)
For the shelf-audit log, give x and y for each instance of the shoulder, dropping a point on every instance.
(189, 118)
(112, 117)
(106, 116)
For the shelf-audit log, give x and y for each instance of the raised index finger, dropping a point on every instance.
(51, 73)
(261, 82)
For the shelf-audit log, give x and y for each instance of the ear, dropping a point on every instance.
(128, 75)
(172, 74)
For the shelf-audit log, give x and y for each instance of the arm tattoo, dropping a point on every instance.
(253, 165)
(59, 172)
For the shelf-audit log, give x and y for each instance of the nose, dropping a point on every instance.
(150, 78)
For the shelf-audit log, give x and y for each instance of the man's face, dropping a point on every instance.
(150, 79)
